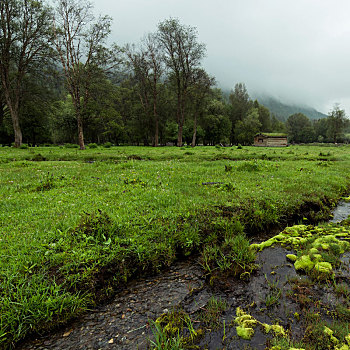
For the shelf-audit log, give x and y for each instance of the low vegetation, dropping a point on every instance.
(76, 226)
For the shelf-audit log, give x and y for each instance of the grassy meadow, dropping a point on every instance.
(76, 225)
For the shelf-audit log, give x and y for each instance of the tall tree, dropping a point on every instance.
(148, 67)
(336, 123)
(24, 42)
(80, 43)
(183, 55)
(199, 91)
(240, 105)
(299, 128)
(264, 116)
(246, 129)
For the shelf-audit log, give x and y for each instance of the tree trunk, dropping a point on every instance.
(76, 100)
(80, 133)
(156, 134)
(194, 131)
(179, 135)
(181, 121)
(17, 129)
(15, 119)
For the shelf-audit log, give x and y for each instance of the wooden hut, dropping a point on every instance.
(270, 140)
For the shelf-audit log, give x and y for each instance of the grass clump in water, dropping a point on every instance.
(232, 257)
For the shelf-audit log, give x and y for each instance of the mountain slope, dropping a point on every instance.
(282, 111)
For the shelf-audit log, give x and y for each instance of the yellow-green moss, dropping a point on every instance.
(323, 267)
(291, 257)
(317, 239)
(245, 333)
(246, 324)
(304, 263)
(329, 332)
(342, 347)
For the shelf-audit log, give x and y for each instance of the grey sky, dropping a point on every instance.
(296, 50)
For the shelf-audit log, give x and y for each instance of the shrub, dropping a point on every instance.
(107, 145)
(38, 158)
(92, 145)
(71, 145)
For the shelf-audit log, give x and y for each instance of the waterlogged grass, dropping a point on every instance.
(76, 225)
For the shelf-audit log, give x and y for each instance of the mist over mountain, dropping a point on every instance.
(283, 110)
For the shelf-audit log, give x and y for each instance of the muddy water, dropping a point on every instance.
(341, 212)
(124, 323)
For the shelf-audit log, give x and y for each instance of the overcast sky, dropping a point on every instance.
(296, 50)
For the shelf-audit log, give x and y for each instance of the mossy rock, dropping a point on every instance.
(291, 257)
(245, 333)
(323, 267)
(304, 263)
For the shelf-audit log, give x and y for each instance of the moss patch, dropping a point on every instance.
(318, 247)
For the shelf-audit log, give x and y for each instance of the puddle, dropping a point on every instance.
(341, 212)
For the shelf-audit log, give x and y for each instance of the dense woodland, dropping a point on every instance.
(62, 83)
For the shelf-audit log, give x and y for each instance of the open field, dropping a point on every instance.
(76, 225)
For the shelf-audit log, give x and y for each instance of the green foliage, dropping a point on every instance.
(274, 293)
(71, 145)
(300, 129)
(96, 225)
(336, 123)
(173, 331)
(246, 129)
(233, 256)
(210, 314)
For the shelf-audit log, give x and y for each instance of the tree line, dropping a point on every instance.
(62, 83)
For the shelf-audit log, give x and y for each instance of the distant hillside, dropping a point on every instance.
(283, 111)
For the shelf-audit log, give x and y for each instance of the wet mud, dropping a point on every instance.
(273, 294)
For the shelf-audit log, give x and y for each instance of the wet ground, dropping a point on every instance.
(341, 212)
(124, 322)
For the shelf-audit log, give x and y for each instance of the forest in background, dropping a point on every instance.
(62, 83)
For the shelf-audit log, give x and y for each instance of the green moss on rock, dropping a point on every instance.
(304, 263)
(291, 257)
(245, 333)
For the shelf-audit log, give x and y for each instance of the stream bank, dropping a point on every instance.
(274, 294)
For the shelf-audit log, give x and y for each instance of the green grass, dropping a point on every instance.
(76, 225)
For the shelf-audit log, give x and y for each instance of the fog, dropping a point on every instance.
(298, 51)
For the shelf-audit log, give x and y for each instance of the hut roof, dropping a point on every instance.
(271, 134)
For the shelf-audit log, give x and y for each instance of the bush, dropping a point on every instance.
(92, 145)
(71, 145)
(23, 146)
(107, 145)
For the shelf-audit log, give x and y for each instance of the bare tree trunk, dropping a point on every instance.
(14, 108)
(155, 114)
(179, 135)
(194, 131)
(80, 127)
(156, 134)
(80, 134)
(16, 128)
(181, 118)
